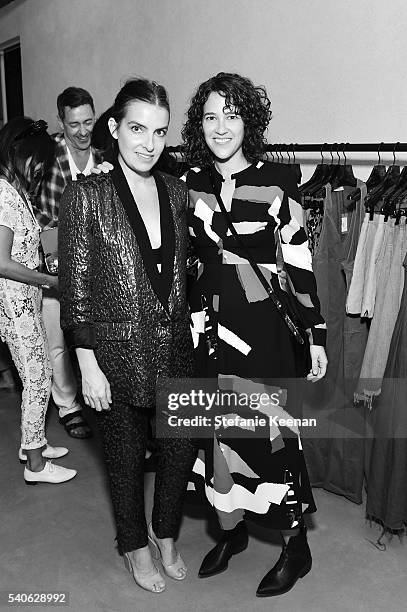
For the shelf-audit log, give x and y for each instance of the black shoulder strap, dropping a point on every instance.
(267, 286)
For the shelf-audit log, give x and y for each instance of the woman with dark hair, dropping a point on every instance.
(26, 152)
(123, 241)
(103, 142)
(245, 222)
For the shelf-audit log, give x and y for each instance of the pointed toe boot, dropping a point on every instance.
(294, 562)
(232, 542)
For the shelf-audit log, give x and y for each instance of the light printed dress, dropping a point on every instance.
(260, 471)
(21, 325)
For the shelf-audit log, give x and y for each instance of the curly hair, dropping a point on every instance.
(250, 101)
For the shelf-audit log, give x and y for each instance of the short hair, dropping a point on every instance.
(73, 97)
(250, 101)
(23, 139)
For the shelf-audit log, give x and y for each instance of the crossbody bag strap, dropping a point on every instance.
(267, 286)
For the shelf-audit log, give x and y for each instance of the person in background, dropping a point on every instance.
(123, 245)
(74, 159)
(240, 338)
(6, 376)
(26, 152)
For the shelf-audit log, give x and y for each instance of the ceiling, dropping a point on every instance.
(4, 2)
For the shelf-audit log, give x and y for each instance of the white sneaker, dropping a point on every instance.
(50, 473)
(49, 452)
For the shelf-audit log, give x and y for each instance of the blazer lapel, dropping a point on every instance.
(161, 283)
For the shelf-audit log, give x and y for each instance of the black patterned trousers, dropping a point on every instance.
(124, 432)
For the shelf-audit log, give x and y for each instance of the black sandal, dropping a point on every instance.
(80, 422)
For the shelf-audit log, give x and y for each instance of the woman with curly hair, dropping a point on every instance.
(245, 215)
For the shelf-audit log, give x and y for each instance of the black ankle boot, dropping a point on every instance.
(295, 562)
(232, 542)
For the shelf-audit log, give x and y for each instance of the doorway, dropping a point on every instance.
(11, 82)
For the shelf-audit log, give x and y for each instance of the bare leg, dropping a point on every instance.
(289, 533)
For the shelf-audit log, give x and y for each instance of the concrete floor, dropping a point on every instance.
(61, 538)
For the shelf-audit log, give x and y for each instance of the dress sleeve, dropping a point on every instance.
(75, 254)
(298, 261)
(8, 209)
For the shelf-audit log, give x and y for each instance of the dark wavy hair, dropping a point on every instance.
(250, 101)
(24, 140)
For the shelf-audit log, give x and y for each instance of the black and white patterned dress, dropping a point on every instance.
(263, 472)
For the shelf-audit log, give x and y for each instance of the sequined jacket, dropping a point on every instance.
(113, 299)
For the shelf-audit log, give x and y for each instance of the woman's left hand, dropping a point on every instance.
(319, 363)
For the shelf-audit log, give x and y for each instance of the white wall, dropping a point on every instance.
(335, 69)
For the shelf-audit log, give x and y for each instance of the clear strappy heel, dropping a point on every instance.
(150, 581)
(178, 569)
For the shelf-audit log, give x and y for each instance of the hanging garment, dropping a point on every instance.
(351, 241)
(314, 216)
(390, 286)
(386, 482)
(355, 330)
(336, 458)
(357, 286)
(369, 290)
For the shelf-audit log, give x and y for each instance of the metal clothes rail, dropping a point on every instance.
(340, 147)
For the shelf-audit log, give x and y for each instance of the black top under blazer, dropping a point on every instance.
(113, 299)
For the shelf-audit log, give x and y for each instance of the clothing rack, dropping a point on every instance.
(340, 147)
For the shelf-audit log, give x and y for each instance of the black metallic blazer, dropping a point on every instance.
(113, 299)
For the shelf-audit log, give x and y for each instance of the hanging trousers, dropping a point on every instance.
(124, 431)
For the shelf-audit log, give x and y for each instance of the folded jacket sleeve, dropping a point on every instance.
(298, 261)
(75, 256)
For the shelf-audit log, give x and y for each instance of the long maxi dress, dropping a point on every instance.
(261, 470)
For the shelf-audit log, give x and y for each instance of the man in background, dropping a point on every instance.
(74, 159)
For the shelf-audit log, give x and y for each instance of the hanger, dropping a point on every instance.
(296, 167)
(387, 195)
(394, 199)
(343, 176)
(280, 152)
(376, 176)
(377, 173)
(374, 199)
(318, 190)
(321, 170)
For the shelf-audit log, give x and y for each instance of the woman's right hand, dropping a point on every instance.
(52, 281)
(104, 167)
(96, 389)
